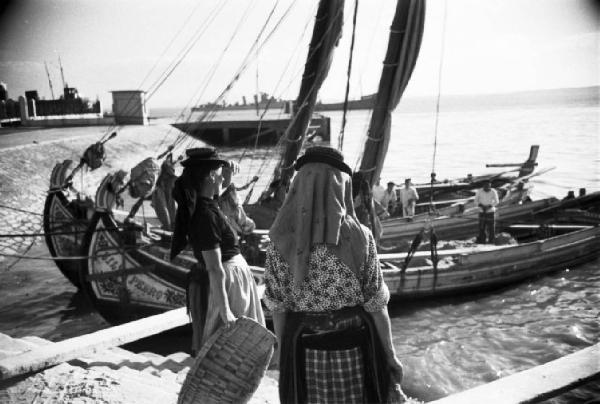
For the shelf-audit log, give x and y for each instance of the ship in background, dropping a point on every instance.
(261, 123)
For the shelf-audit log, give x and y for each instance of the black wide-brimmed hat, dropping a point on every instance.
(322, 154)
(202, 157)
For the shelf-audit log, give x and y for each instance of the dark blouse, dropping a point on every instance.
(209, 230)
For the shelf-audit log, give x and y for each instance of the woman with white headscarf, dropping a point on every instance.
(326, 291)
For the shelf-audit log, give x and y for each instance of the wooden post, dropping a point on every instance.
(64, 351)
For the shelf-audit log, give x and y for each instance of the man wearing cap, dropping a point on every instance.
(486, 199)
(390, 200)
(408, 199)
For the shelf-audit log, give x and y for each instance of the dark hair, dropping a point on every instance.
(193, 176)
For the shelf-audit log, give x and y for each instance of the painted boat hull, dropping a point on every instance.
(127, 277)
(65, 223)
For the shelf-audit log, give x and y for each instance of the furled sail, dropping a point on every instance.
(326, 33)
(404, 43)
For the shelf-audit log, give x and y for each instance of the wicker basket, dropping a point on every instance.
(229, 367)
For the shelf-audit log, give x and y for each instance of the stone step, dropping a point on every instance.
(113, 359)
(12, 346)
(146, 380)
(174, 362)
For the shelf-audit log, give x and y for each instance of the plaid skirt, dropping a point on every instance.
(333, 357)
(334, 376)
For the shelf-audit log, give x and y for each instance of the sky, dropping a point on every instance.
(469, 47)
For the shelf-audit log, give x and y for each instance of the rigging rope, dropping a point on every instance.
(437, 107)
(275, 149)
(256, 45)
(181, 54)
(341, 135)
(204, 85)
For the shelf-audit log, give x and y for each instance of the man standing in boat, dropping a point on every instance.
(378, 192)
(486, 199)
(408, 198)
(390, 200)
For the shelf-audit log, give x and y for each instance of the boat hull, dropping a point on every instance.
(493, 267)
(399, 233)
(127, 276)
(65, 223)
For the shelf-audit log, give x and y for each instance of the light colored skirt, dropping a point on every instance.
(242, 295)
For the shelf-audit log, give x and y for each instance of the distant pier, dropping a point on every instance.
(244, 128)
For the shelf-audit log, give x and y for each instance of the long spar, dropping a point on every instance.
(326, 33)
(404, 44)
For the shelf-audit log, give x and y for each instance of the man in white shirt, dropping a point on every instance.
(486, 199)
(390, 199)
(408, 198)
(378, 191)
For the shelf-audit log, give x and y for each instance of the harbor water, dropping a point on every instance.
(446, 345)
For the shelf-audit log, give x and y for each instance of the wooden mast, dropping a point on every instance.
(404, 43)
(326, 33)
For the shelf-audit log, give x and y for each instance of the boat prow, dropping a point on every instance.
(65, 222)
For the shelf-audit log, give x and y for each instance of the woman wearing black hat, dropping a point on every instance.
(326, 290)
(221, 286)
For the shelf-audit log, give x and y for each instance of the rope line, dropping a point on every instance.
(341, 136)
(439, 95)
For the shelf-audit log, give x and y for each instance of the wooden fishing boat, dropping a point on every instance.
(461, 188)
(65, 222)
(398, 233)
(128, 275)
(65, 218)
(487, 267)
(456, 223)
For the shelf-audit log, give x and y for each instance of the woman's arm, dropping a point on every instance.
(216, 276)
(384, 329)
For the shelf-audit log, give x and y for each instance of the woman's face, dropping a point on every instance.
(217, 176)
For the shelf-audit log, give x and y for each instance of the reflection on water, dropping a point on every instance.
(446, 345)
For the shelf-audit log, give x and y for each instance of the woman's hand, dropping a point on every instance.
(227, 317)
(216, 276)
(233, 167)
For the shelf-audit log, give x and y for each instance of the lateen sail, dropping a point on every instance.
(404, 43)
(326, 33)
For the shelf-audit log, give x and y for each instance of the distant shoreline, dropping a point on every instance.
(580, 95)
